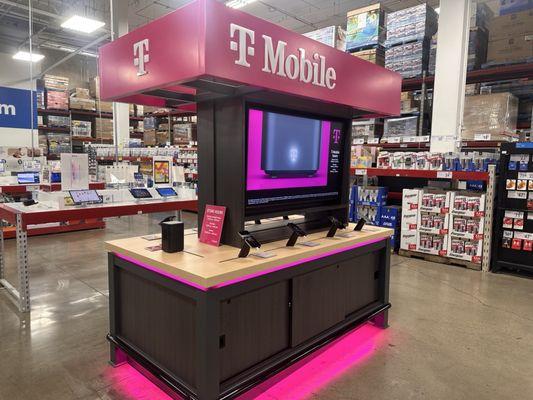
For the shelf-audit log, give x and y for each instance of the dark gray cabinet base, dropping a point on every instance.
(216, 344)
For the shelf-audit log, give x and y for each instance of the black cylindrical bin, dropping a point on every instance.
(172, 236)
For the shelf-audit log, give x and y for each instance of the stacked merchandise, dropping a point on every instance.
(94, 91)
(162, 135)
(365, 33)
(408, 37)
(490, 117)
(391, 218)
(466, 226)
(443, 223)
(40, 99)
(333, 36)
(367, 129)
(104, 128)
(510, 38)
(367, 202)
(398, 127)
(183, 132)
(80, 99)
(514, 6)
(56, 92)
(410, 219)
(57, 121)
(470, 161)
(478, 40)
(81, 128)
(434, 218)
(408, 102)
(362, 157)
(150, 126)
(58, 143)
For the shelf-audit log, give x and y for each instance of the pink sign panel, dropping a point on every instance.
(212, 224)
(205, 40)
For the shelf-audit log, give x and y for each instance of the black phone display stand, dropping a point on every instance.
(296, 233)
(335, 224)
(245, 250)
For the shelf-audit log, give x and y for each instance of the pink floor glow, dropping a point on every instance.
(297, 382)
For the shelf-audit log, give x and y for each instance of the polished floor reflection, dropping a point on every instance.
(455, 334)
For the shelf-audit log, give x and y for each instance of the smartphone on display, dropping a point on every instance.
(296, 229)
(360, 224)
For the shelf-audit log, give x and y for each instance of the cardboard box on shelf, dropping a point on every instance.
(514, 6)
(480, 14)
(104, 106)
(162, 138)
(403, 126)
(375, 56)
(518, 48)
(81, 128)
(493, 114)
(149, 138)
(94, 87)
(104, 128)
(333, 36)
(511, 26)
(82, 104)
(408, 59)
(80, 93)
(56, 82)
(414, 23)
(56, 100)
(365, 27)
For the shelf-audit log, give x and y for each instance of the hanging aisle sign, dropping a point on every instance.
(16, 109)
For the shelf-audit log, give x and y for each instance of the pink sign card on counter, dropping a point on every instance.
(212, 225)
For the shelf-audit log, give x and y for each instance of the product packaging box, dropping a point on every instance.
(518, 48)
(480, 14)
(371, 214)
(104, 106)
(57, 121)
(371, 195)
(464, 249)
(82, 104)
(391, 216)
(183, 132)
(80, 93)
(511, 25)
(468, 204)
(367, 128)
(404, 126)
(434, 223)
(56, 100)
(494, 114)
(408, 239)
(408, 59)
(333, 36)
(514, 6)
(409, 24)
(375, 56)
(81, 128)
(56, 82)
(162, 138)
(467, 227)
(94, 87)
(433, 244)
(149, 138)
(365, 27)
(104, 128)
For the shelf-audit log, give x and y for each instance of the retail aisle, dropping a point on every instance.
(455, 334)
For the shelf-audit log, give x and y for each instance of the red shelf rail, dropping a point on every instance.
(422, 174)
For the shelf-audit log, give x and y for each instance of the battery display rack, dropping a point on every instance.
(513, 235)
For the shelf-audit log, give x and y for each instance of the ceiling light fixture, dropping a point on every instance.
(238, 3)
(82, 24)
(26, 56)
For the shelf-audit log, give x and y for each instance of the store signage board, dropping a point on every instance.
(212, 225)
(16, 108)
(205, 39)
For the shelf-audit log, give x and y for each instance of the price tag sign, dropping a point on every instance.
(394, 140)
(373, 141)
(444, 174)
(360, 171)
(482, 136)
(359, 141)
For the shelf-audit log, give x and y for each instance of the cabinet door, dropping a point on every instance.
(317, 303)
(254, 326)
(360, 281)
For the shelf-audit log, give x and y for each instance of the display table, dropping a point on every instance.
(19, 189)
(209, 324)
(22, 217)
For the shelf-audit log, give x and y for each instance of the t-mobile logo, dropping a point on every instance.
(336, 135)
(241, 45)
(141, 56)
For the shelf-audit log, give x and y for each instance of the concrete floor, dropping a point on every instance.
(454, 334)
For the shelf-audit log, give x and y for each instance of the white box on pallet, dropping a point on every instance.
(408, 239)
(410, 199)
(435, 202)
(465, 249)
(469, 205)
(434, 223)
(433, 244)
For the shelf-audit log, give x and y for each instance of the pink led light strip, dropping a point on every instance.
(252, 275)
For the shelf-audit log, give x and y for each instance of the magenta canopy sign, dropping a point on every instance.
(206, 47)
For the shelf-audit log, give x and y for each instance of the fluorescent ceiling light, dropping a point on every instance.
(25, 56)
(437, 10)
(238, 3)
(82, 24)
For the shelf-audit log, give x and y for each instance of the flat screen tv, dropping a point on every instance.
(294, 161)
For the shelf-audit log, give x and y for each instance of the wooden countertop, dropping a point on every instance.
(204, 266)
